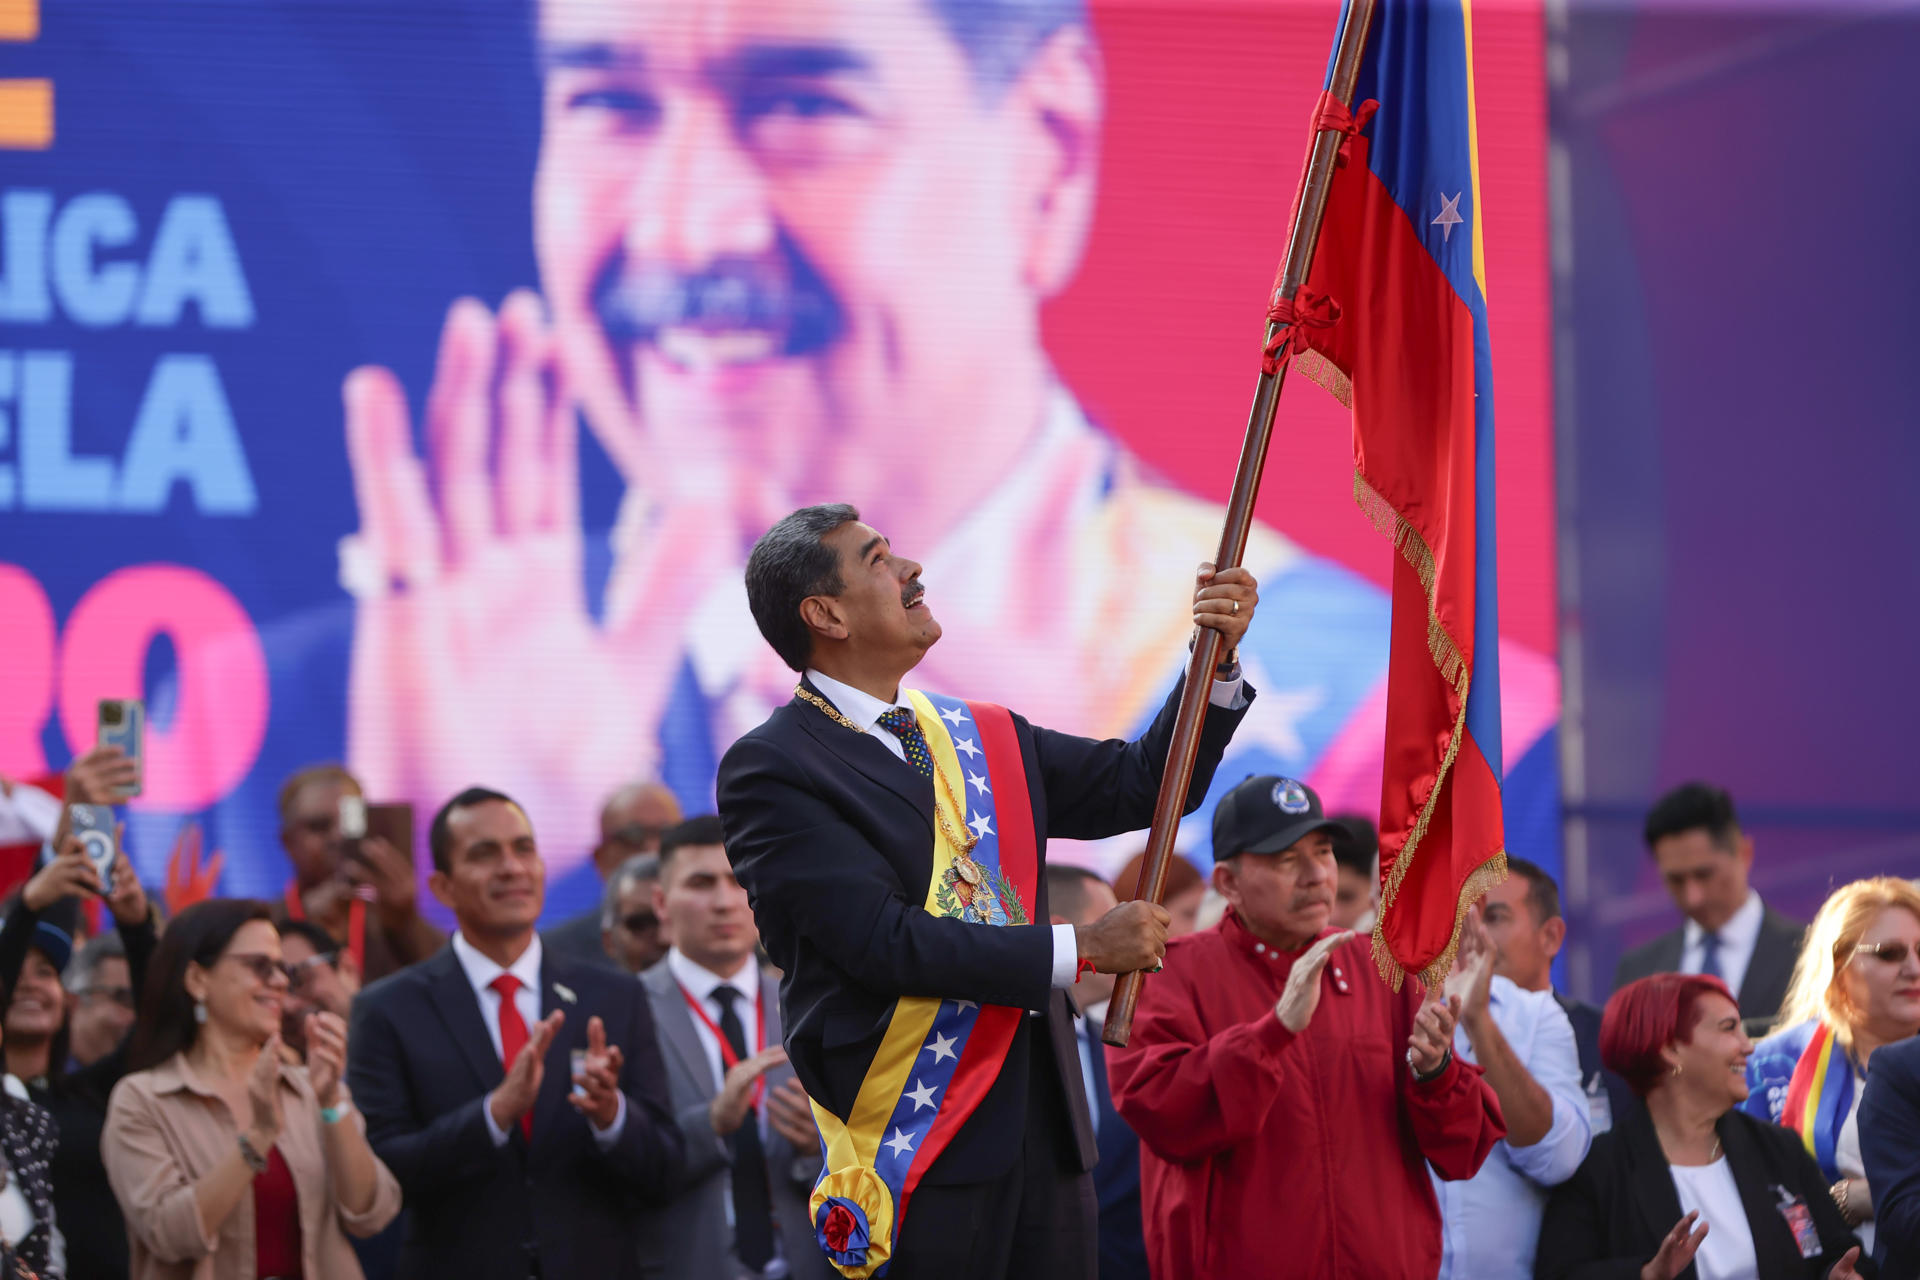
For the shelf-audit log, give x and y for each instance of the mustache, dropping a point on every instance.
(911, 593)
(778, 293)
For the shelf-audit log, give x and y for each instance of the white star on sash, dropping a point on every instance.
(942, 1047)
(982, 825)
(901, 1142)
(979, 782)
(923, 1095)
(954, 716)
(966, 745)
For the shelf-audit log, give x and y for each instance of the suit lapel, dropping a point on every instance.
(673, 1023)
(862, 753)
(1772, 1237)
(459, 1008)
(1654, 1194)
(557, 1082)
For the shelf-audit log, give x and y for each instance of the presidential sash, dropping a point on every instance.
(1819, 1096)
(938, 1057)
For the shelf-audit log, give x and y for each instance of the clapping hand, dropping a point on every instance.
(1677, 1250)
(1302, 994)
(516, 1094)
(791, 1116)
(263, 1096)
(1471, 981)
(599, 1078)
(1843, 1269)
(1432, 1037)
(728, 1110)
(326, 1056)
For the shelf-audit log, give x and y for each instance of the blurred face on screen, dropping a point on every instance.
(800, 227)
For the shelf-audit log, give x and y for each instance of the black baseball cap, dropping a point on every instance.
(1268, 814)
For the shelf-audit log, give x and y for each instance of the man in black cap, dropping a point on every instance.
(1288, 1103)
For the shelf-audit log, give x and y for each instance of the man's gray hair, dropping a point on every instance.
(789, 563)
(86, 961)
(640, 867)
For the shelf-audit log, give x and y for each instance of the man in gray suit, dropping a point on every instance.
(1704, 858)
(752, 1151)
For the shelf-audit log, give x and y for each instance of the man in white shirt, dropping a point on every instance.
(517, 1096)
(1704, 859)
(752, 1150)
(1522, 1042)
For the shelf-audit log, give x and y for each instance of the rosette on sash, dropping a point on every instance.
(938, 1058)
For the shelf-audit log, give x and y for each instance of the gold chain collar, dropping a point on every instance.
(963, 844)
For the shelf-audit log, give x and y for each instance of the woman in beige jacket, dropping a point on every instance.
(229, 1163)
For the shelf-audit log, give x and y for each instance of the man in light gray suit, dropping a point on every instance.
(752, 1152)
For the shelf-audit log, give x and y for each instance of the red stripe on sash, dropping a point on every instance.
(973, 1076)
(1013, 806)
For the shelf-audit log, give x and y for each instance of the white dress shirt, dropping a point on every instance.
(1709, 1189)
(1490, 1224)
(1738, 937)
(481, 972)
(865, 710)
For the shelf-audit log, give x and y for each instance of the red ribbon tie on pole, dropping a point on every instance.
(1295, 316)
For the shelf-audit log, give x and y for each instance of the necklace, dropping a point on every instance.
(963, 846)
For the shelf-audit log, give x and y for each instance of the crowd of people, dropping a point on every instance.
(1264, 1062)
(327, 1085)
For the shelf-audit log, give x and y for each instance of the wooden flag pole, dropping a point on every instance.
(1301, 239)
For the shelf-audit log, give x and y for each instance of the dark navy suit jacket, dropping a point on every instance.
(1890, 1149)
(832, 836)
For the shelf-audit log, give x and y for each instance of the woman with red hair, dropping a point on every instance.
(1689, 1185)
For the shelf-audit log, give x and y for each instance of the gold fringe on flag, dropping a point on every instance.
(1453, 669)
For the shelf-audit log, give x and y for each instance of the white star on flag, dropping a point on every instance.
(900, 1142)
(966, 745)
(979, 782)
(960, 1006)
(1449, 216)
(954, 716)
(922, 1094)
(942, 1047)
(982, 825)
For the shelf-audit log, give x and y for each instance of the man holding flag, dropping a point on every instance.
(1282, 1135)
(892, 843)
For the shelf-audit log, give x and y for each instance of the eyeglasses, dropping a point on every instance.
(1894, 953)
(301, 972)
(636, 835)
(262, 967)
(640, 922)
(122, 996)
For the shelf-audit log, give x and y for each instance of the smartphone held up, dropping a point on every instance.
(123, 723)
(93, 826)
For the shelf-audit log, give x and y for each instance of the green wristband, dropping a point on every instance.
(336, 1113)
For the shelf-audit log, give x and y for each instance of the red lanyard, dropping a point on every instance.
(728, 1057)
(356, 923)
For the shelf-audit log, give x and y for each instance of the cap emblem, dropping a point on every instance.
(1290, 797)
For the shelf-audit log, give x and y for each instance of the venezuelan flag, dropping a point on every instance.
(1399, 332)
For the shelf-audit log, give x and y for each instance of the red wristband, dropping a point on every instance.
(1086, 967)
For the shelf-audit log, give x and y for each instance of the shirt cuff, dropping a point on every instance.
(605, 1138)
(1228, 695)
(494, 1131)
(1066, 957)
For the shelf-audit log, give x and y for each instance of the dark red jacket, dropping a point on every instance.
(1265, 1153)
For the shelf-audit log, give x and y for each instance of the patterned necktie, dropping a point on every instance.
(752, 1200)
(901, 723)
(513, 1034)
(1710, 956)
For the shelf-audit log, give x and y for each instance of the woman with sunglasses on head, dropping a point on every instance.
(229, 1162)
(1856, 987)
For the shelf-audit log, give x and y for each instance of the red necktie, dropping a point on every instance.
(513, 1034)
